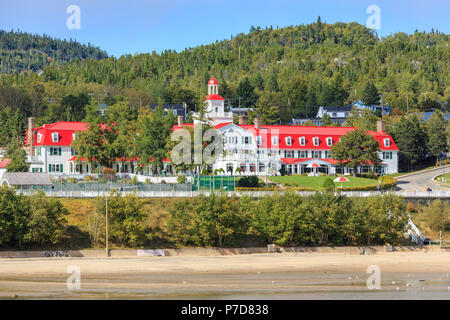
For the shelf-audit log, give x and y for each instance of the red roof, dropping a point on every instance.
(213, 97)
(220, 125)
(296, 132)
(298, 160)
(176, 127)
(123, 159)
(4, 163)
(64, 129)
(212, 81)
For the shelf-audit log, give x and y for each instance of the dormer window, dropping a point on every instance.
(39, 137)
(73, 136)
(302, 141)
(329, 141)
(316, 141)
(387, 143)
(55, 137)
(275, 140)
(259, 140)
(288, 141)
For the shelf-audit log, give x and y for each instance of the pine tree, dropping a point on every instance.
(437, 134)
(370, 95)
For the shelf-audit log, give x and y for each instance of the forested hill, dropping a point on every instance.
(21, 51)
(283, 72)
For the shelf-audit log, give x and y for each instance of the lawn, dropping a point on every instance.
(447, 178)
(317, 182)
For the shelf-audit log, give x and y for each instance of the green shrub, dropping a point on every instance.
(328, 184)
(248, 182)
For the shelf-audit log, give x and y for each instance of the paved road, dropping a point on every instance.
(423, 180)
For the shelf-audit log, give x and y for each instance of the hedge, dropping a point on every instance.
(254, 189)
(388, 183)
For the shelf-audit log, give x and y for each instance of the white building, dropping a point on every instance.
(265, 149)
(249, 149)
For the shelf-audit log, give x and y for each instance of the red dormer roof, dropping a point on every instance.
(4, 163)
(64, 129)
(213, 97)
(296, 132)
(212, 81)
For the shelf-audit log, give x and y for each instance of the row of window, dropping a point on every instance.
(302, 141)
(303, 154)
(53, 151)
(55, 137)
(289, 141)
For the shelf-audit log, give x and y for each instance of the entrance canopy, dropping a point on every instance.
(313, 165)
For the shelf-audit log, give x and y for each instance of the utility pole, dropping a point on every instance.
(107, 235)
(407, 103)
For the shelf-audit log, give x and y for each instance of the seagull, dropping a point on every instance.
(393, 282)
(273, 282)
(397, 288)
(408, 284)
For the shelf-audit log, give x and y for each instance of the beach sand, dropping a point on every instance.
(404, 275)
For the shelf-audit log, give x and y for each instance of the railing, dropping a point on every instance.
(256, 194)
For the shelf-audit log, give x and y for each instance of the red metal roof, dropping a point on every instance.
(123, 159)
(220, 125)
(4, 163)
(64, 129)
(296, 132)
(301, 160)
(176, 127)
(213, 97)
(212, 81)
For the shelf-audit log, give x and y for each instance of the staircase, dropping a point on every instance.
(415, 233)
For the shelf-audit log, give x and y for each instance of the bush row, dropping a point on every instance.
(288, 220)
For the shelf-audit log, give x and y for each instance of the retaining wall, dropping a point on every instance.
(133, 253)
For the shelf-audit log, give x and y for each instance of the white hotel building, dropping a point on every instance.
(255, 149)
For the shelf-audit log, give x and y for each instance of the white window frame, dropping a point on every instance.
(288, 141)
(387, 142)
(258, 140)
(39, 137)
(316, 139)
(302, 141)
(55, 137)
(275, 140)
(329, 141)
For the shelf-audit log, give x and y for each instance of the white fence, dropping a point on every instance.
(254, 194)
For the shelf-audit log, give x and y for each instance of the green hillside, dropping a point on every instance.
(21, 51)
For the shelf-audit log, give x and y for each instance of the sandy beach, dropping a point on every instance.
(404, 275)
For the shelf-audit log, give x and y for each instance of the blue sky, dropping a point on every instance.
(136, 26)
